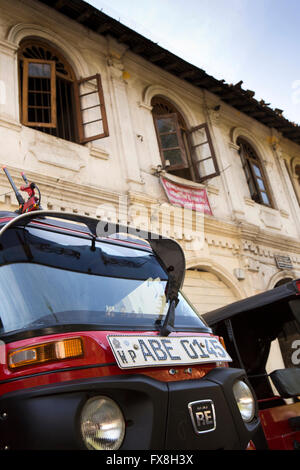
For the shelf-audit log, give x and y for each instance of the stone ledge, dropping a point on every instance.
(54, 151)
(98, 152)
(249, 202)
(10, 124)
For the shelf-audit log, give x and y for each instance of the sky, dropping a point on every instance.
(256, 41)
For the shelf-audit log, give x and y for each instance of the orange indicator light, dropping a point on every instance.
(40, 353)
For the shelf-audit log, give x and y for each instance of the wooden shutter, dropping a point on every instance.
(39, 93)
(202, 152)
(90, 109)
(255, 175)
(170, 141)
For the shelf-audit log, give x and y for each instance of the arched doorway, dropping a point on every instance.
(206, 291)
(283, 281)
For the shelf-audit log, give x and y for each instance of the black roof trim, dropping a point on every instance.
(233, 95)
(259, 302)
(46, 223)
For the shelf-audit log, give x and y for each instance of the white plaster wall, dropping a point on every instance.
(85, 175)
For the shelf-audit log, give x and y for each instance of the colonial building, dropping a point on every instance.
(109, 124)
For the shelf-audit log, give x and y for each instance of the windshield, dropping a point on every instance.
(50, 279)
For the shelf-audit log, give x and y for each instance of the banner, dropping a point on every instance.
(191, 198)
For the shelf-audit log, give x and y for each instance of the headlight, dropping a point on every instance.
(102, 424)
(245, 400)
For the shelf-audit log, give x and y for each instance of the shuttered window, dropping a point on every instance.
(297, 173)
(39, 93)
(184, 152)
(254, 173)
(203, 154)
(53, 101)
(91, 113)
(171, 145)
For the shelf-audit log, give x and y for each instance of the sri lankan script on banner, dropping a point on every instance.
(192, 198)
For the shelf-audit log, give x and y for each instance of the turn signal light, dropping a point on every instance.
(40, 353)
(221, 339)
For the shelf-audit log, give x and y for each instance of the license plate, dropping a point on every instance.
(131, 351)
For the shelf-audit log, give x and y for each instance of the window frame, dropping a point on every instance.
(35, 50)
(180, 146)
(79, 110)
(25, 91)
(212, 151)
(294, 177)
(248, 163)
(186, 142)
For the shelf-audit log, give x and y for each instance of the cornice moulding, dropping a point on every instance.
(269, 241)
(57, 187)
(7, 47)
(10, 124)
(98, 152)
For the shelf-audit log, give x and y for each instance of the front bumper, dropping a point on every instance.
(156, 413)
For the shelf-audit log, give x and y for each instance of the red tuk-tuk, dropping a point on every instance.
(251, 329)
(100, 350)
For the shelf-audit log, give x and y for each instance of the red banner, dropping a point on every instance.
(184, 196)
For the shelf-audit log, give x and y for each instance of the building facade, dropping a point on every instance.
(98, 127)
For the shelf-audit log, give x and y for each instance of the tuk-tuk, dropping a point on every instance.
(252, 329)
(101, 350)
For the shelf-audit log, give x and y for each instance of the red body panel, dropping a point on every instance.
(276, 427)
(98, 361)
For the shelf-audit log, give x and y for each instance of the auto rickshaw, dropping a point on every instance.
(101, 350)
(252, 329)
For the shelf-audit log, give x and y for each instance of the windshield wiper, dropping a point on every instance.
(168, 325)
(171, 255)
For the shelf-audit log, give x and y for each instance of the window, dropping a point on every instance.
(39, 92)
(184, 152)
(203, 153)
(171, 133)
(296, 183)
(293, 170)
(297, 173)
(171, 142)
(52, 99)
(254, 173)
